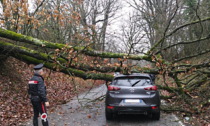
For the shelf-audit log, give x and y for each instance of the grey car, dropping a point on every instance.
(132, 94)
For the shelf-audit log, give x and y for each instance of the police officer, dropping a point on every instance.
(37, 93)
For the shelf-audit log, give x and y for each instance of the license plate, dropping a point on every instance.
(132, 101)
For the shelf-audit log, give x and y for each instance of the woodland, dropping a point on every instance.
(92, 39)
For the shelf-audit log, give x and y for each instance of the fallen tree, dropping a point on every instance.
(20, 51)
(85, 50)
(34, 57)
(94, 72)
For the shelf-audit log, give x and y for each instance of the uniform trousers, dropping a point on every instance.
(39, 108)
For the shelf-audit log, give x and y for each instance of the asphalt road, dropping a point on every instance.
(81, 112)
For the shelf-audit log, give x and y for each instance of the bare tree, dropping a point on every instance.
(98, 14)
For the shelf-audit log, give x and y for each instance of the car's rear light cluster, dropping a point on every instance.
(154, 107)
(112, 88)
(110, 107)
(153, 88)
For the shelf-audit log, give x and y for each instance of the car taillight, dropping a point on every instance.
(154, 88)
(112, 88)
(154, 107)
(110, 107)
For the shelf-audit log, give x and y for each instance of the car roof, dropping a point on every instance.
(132, 75)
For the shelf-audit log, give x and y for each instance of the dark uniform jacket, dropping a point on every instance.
(37, 89)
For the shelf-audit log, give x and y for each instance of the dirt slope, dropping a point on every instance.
(15, 105)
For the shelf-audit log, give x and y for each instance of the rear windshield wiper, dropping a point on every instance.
(145, 83)
(135, 83)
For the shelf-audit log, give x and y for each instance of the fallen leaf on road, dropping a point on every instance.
(89, 116)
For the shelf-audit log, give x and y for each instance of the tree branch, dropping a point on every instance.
(175, 30)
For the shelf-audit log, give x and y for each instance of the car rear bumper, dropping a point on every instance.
(133, 109)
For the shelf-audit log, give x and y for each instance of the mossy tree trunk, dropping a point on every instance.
(85, 50)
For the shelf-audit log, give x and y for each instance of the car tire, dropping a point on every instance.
(109, 115)
(156, 116)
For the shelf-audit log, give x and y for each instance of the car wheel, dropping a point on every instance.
(109, 115)
(156, 116)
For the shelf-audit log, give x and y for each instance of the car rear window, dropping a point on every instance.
(134, 81)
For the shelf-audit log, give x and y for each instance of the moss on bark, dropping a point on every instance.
(87, 51)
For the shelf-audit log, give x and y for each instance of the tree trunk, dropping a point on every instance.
(85, 50)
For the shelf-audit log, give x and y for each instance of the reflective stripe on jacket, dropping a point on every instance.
(37, 87)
